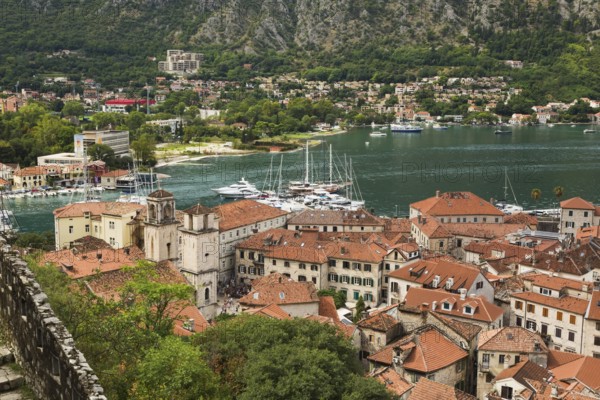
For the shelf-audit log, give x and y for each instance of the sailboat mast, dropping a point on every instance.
(330, 166)
(505, 183)
(306, 180)
(280, 169)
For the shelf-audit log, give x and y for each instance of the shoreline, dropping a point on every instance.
(220, 150)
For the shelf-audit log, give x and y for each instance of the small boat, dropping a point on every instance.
(573, 126)
(439, 127)
(550, 125)
(503, 132)
(405, 128)
(377, 134)
(589, 131)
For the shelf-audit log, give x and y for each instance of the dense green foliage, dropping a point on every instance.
(129, 343)
(339, 297)
(263, 358)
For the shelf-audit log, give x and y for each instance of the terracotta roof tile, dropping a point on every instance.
(278, 289)
(523, 371)
(576, 261)
(425, 271)
(430, 390)
(521, 218)
(584, 369)
(485, 311)
(464, 329)
(399, 225)
(393, 381)
(558, 358)
(111, 208)
(483, 230)
(456, 203)
(335, 217)
(160, 194)
(511, 338)
(556, 282)
(80, 265)
(198, 209)
(429, 350)
(567, 303)
(577, 203)
(379, 322)
(244, 212)
(593, 311)
(271, 311)
(431, 228)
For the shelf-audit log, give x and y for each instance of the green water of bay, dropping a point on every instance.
(398, 169)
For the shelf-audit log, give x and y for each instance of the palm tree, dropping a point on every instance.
(558, 192)
(536, 194)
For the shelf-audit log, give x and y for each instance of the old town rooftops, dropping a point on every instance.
(94, 209)
(333, 217)
(449, 304)
(456, 203)
(511, 339)
(450, 275)
(278, 289)
(244, 212)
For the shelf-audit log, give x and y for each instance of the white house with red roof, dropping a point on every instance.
(577, 213)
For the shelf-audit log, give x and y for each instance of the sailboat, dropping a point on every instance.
(86, 190)
(308, 186)
(503, 204)
(593, 129)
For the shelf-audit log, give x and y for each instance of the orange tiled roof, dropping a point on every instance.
(428, 350)
(511, 339)
(335, 217)
(112, 208)
(566, 303)
(399, 225)
(485, 311)
(556, 282)
(584, 369)
(456, 203)
(464, 329)
(278, 289)
(576, 261)
(593, 311)
(183, 312)
(431, 228)
(577, 203)
(244, 212)
(430, 390)
(483, 230)
(115, 173)
(379, 322)
(425, 271)
(523, 371)
(587, 233)
(393, 381)
(80, 265)
(521, 218)
(271, 311)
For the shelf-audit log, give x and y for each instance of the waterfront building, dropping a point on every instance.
(458, 207)
(577, 213)
(336, 221)
(181, 62)
(117, 140)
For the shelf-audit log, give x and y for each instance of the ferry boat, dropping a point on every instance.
(405, 128)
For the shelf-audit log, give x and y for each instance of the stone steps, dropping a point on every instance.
(11, 381)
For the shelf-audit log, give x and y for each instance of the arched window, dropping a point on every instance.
(168, 212)
(207, 294)
(151, 211)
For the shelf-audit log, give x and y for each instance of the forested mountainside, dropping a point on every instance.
(113, 40)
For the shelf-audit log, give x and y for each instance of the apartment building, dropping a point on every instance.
(181, 62)
(576, 213)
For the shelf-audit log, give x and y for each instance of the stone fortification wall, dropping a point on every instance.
(43, 347)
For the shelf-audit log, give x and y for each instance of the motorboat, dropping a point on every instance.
(405, 128)
(237, 190)
(377, 134)
(439, 127)
(503, 132)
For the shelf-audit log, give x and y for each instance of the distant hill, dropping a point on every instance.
(113, 39)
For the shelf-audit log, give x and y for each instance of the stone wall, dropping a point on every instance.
(43, 347)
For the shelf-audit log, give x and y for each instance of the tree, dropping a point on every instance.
(360, 308)
(536, 194)
(102, 152)
(558, 192)
(143, 149)
(360, 388)
(73, 109)
(339, 297)
(174, 370)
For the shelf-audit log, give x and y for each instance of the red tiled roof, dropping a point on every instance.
(483, 230)
(278, 289)
(335, 217)
(430, 390)
(429, 351)
(112, 208)
(521, 218)
(484, 312)
(271, 311)
(379, 322)
(424, 272)
(512, 339)
(431, 228)
(115, 173)
(576, 261)
(79, 265)
(524, 370)
(393, 381)
(593, 311)
(567, 303)
(245, 212)
(464, 329)
(577, 203)
(399, 225)
(160, 194)
(456, 203)
(584, 368)
(556, 282)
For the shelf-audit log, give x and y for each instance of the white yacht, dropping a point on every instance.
(237, 190)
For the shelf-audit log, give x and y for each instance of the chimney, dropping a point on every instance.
(437, 193)
(433, 306)
(463, 293)
(424, 306)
